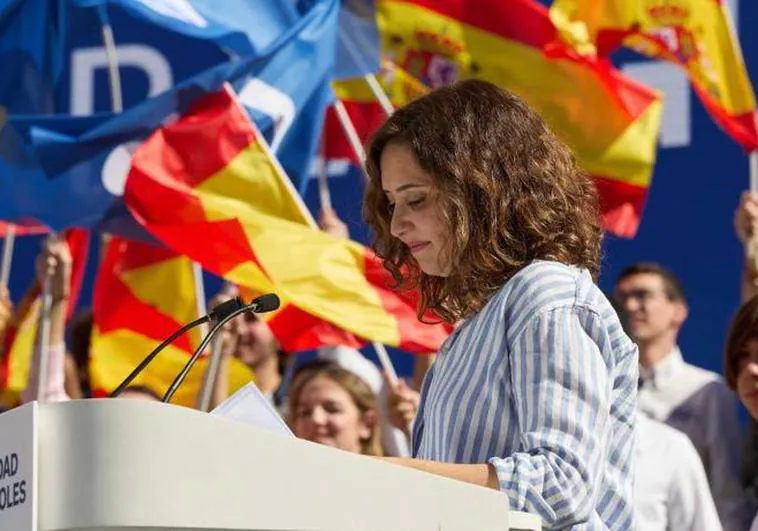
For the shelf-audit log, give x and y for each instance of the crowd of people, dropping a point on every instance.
(578, 405)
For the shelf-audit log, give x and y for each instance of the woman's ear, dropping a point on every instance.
(369, 420)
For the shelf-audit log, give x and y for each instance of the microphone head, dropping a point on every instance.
(265, 303)
(228, 307)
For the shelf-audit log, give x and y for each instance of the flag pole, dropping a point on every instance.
(211, 374)
(114, 76)
(10, 239)
(43, 330)
(323, 174)
(202, 308)
(381, 352)
(351, 133)
(114, 83)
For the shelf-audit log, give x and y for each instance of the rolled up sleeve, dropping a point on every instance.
(562, 395)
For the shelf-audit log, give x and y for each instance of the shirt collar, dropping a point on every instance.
(665, 370)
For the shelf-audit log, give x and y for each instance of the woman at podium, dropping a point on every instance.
(475, 203)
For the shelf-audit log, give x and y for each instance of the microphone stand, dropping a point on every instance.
(262, 304)
(195, 355)
(221, 311)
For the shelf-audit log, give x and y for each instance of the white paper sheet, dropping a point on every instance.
(251, 406)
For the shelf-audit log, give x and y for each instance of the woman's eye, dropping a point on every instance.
(416, 202)
(390, 207)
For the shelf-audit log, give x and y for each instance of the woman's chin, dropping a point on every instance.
(325, 440)
(432, 270)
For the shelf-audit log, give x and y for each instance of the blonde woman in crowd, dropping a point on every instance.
(330, 405)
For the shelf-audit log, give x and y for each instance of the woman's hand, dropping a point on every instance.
(330, 223)
(227, 336)
(746, 217)
(6, 311)
(402, 405)
(54, 262)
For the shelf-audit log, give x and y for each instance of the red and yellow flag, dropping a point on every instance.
(234, 211)
(19, 338)
(514, 44)
(695, 34)
(143, 294)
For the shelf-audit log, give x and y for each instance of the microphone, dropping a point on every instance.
(218, 313)
(262, 304)
(265, 303)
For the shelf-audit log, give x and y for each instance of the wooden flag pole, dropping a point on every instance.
(43, 330)
(10, 239)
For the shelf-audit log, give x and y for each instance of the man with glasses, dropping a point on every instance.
(653, 308)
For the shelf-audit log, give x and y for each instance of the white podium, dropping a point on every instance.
(129, 465)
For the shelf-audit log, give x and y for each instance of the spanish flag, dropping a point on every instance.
(143, 294)
(695, 34)
(610, 121)
(19, 341)
(207, 187)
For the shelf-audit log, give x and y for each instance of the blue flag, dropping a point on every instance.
(68, 171)
(55, 50)
(358, 47)
(30, 55)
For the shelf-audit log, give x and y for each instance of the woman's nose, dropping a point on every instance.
(319, 416)
(400, 223)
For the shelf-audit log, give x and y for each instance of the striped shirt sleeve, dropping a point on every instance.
(562, 391)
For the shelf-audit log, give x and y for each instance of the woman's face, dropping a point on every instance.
(416, 214)
(326, 414)
(747, 377)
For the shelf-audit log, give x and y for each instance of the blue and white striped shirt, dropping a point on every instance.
(542, 384)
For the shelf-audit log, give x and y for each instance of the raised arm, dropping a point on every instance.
(55, 262)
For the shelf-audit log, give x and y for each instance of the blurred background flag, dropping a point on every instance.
(697, 35)
(514, 44)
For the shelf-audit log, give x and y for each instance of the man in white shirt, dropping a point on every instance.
(670, 488)
(688, 398)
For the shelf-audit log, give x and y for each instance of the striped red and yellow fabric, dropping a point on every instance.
(698, 35)
(143, 294)
(515, 45)
(19, 339)
(234, 211)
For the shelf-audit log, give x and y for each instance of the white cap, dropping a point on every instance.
(352, 360)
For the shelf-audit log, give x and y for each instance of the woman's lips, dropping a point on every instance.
(417, 246)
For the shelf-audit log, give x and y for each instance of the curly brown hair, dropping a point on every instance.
(744, 327)
(509, 190)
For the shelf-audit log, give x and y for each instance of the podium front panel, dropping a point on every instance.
(126, 464)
